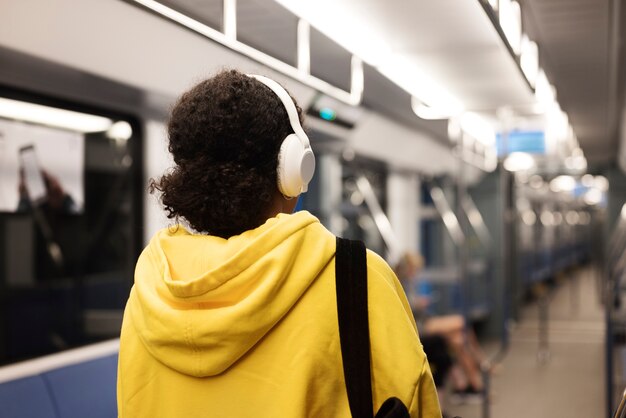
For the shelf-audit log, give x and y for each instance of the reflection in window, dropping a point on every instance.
(67, 228)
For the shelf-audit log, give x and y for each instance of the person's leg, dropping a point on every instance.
(465, 359)
(451, 327)
(475, 347)
(439, 325)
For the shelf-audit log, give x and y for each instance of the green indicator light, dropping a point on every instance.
(328, 114)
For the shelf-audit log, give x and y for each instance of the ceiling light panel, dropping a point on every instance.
(52, 116)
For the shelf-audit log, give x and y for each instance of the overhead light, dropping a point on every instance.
(426, 112)
(593, 196)
(576, 161)
(545, 93)
(572, 217)
(584, 218)
(557, 218)
(587, 180)
(511, 23)
(52, 116)
(360, 38)
(601, 183)
(547, 218)
(529, 217)
(529, 60)
(557, 126)
(491, 159)
(356, 198)
(230, 19)
(454, 125)
(478, 128)
(120, 131)
(429, 99)
(563, 184)
(519, 161)
(357, 77)
(623, 212)
(304, 46)
(536, 182)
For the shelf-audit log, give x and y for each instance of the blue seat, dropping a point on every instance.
(26, 398)
(85, 389)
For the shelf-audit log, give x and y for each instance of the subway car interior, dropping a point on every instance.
(483, 142)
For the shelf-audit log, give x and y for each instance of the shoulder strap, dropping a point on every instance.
(351, 285)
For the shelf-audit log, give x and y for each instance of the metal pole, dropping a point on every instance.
(543, 351)
(506, 245)
(461, 191)
(610, 374)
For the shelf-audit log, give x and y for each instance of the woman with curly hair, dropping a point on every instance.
(233, 310)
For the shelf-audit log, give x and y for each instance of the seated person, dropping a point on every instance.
(459, 340)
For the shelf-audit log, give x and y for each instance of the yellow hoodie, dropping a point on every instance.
(247, 327)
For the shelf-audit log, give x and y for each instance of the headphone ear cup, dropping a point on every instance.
(290, 159)
(280, 171)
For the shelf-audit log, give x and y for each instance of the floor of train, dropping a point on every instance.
(571, 383)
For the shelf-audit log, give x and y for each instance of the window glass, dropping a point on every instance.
(69, 217)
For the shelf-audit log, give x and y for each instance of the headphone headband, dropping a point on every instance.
(296, 162)
(288, 104)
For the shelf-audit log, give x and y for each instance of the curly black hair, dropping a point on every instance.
(224, 135)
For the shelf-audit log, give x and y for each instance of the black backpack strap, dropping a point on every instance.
(351, 285)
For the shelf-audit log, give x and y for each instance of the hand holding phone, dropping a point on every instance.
(32, 175)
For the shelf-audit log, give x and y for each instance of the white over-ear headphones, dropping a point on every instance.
(296, 162)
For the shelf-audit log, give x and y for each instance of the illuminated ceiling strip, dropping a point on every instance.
(351, 98)
(357, 78)
(230, 19)
(52, 116)
(304, 47)
(430, 113)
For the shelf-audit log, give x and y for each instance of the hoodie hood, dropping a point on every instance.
(201, 302)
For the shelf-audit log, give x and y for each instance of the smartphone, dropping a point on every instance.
(32, 174)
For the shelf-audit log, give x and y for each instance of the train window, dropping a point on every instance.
(70, 216)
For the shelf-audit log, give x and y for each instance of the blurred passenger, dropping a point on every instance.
(56, 246)
(234, 314)
(57, 200)
(465, 373)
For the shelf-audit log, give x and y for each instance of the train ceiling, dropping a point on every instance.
(579, 50)
(456, 45)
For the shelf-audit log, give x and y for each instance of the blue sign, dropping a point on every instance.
(532, 142)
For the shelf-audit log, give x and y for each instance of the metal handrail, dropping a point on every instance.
(614, 271)
(380, 219)
(621, 409)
